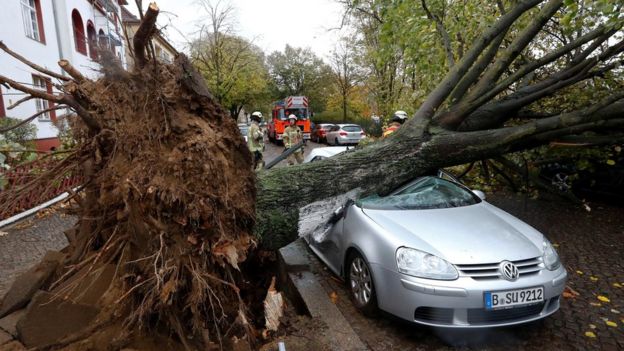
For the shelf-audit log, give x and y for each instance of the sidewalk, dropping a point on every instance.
(24, 243)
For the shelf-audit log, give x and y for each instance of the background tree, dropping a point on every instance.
(346, 71)
(298, 71)
(234, 68)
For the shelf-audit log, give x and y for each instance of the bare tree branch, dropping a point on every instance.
(19, 102)
(31, 64)
(31, 118)
(71, 70)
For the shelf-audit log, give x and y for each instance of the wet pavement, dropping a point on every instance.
(590, 245)
(23, 244)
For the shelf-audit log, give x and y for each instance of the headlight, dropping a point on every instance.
(551, 259)
(424, 265)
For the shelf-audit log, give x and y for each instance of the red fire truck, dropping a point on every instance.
(292, 105)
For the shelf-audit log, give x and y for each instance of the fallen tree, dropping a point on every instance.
(169, 200)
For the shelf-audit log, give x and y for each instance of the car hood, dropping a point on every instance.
(479, 233)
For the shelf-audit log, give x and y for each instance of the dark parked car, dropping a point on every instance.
(319, 132)
(586, 177)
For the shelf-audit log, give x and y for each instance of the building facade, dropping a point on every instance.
(163, 50)
(45, 31)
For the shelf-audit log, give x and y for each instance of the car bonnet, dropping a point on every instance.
(474, 234)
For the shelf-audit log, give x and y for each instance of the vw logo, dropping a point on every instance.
(509, 271)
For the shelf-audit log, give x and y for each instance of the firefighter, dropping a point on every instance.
(293, 136)
(255, 140)
(397, 120)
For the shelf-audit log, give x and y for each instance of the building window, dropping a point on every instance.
(79, 33)
(45, 85)
(92, 38)
(33, 20)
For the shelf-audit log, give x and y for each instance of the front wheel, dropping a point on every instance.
(361, 286)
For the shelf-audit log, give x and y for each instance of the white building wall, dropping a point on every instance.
(59, 43)
(13, 35)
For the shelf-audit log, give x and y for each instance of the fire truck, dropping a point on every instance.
(292, 105)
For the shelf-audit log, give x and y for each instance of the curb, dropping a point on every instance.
(307, 294)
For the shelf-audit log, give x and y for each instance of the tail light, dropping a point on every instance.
(343, 133)
(321, 132)
(362, 133)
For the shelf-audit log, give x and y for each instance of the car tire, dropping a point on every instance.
(361, 286)
(336, 142)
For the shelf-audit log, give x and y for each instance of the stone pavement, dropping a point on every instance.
(591, 247)
(23, 244)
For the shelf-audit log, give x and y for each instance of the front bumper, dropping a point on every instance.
(460, 303)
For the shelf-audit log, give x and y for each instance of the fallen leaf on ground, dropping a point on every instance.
(592, 326)
(568, 292)
(593, 279)
(579, 272)
(595, 304)
(590, 334)
(333, 297)
(617, 285)
(555, 245)
(603, 298)
(615, 311)
(3, 233)
(611, 324)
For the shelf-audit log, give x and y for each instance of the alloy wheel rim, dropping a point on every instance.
(360, 279)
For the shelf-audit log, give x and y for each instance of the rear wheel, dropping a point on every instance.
(361, 286)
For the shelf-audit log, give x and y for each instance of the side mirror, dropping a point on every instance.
(479, 193)
(336, 215)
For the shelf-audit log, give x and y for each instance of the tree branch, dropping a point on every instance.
(446, 40)
(439, 95)
(31, 64)
(523, 39)
(20, 101)
(71, 70)
(463, 109)
(144, 33)
(31, 118)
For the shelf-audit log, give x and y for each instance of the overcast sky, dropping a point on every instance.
(271, 24)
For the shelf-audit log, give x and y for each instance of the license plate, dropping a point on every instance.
(512, 298)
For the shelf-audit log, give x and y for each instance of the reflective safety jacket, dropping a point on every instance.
(255, 138)
(391, 129)
(292, 136)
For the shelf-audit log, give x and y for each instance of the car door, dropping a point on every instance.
(331, 134)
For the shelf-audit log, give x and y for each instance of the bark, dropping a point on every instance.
(143, 35)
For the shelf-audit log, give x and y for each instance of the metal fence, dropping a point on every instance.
(13, 201)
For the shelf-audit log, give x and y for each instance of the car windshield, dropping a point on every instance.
(423, 193)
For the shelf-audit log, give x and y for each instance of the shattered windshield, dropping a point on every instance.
(424, 193)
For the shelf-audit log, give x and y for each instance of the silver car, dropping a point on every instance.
(435, 253)
(341, 134)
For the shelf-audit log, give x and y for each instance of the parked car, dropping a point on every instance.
(586, 177)
(321, 153)
(436, 253)
(341, 134)
(244, 128)
(319, 132)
